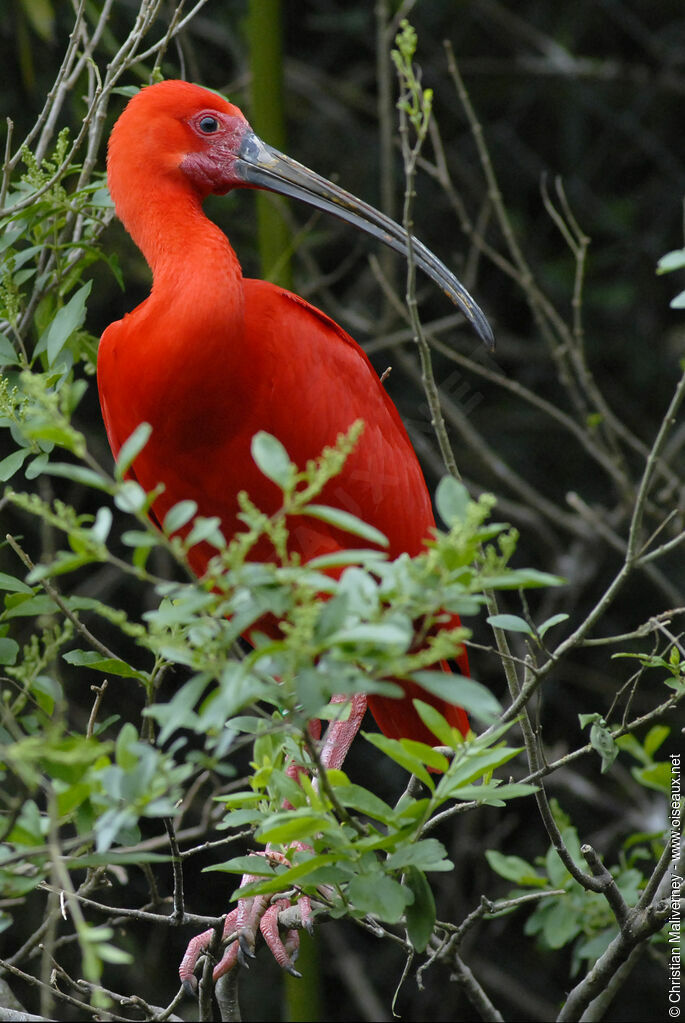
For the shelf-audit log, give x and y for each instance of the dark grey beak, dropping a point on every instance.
(261, 166)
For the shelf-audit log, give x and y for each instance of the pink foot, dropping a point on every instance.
(240, 930)
(257, 913)
(198, 945)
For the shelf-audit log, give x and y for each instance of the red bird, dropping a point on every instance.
(211, 357)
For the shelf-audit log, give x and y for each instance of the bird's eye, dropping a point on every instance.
(208, 125)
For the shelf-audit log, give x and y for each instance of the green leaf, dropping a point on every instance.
(426, 754)
(72, 797)
(62, 563)
(492, 793)
(36, 467)
(473, 696)
(355, 797)
(54, 432)
(67, 319)
(521, 578)
(396, 751)
(510, 623)
(654, 776)
(561, 923)
(179, 516)
(346, 522)
(111, 954)
(78, 473)
(554, 620)
(302, 873)
(673, 260)
(435, 723)
(127, 757)
(130, 496)
(452, 500)
(649, 660)
(102, 525)
(41, 14)
(9, 649)
(260, 866)
(29, 606)
(556, 871)
(272, 459)
(587, 719)
(655, 737)
(292, 826)
(207, 530)
(138, 539)
(239, 799)
(13, 463)
(596, 946)
(420, 914)
(47, 692)
(383, 635)
(532, 577)
(178, 711)
(515, 869)
(471, 765)
(132, 447)
(359, 556)
(103, 859)
(604, 743)
(8, 354)
(109, 665)
(379, 896)
(8, 582)
(426, 854)
(239, 818)
(630, 744)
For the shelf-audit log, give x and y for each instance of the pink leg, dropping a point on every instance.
(250, 912)
(285, 957)
(254, 913)
(340, 734)
(306, 918)
(198, 945)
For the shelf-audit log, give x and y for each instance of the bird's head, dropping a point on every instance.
(197, 141)
(176, 131)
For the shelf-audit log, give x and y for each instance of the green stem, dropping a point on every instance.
(265, 38)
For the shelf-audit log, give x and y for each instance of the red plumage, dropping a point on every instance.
(210, 358)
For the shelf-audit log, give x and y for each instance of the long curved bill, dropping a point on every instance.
(258, 165)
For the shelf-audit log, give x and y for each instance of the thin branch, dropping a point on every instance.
(177, 865)
(474, 992)
(642, 925)
(54, 595)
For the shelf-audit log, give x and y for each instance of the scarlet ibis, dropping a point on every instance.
(210, 357)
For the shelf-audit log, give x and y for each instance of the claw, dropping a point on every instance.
(189, 986)
(242, 923)
(306, 916)
(250, 912)
(197, 947)
(245, 951)
(269, 928)
(292, 947)
(227, 962)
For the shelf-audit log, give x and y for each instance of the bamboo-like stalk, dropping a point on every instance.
(267, 114)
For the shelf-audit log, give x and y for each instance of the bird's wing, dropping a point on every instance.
(317, 382)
